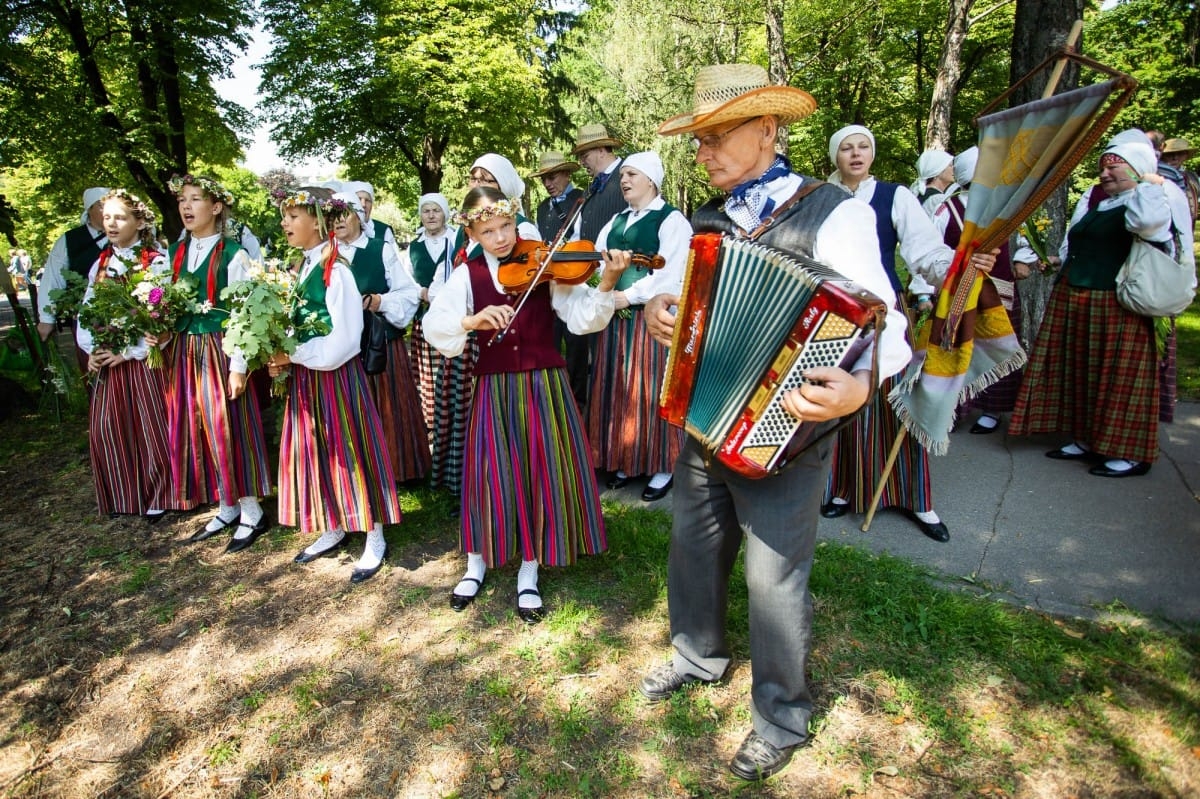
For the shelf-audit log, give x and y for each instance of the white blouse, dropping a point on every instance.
(400, 302)
(344, 341)
(674, 241)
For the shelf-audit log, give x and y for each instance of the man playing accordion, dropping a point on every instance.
(734, 123)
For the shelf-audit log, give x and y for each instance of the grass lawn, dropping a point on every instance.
(1187, 327)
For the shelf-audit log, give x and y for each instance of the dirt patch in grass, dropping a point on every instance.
(133, 665)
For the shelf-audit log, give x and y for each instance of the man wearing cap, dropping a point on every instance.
(555, 171)
(75, 251)
(734, 124)
(1175, 154)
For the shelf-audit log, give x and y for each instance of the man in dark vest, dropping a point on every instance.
(734, 124)
(555, 171)
(74, 251)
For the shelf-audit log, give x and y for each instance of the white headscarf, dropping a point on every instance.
(931, 164)
(351, 199)
(964, 165)
(90, 197)
(1134, 148)
(648, 163)
(437, 199)
(333, 185)
(505, 174)
(359, 185)
(835, 141)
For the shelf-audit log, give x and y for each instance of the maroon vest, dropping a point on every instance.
(529, 342)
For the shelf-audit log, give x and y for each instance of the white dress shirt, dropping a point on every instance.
(52, 273)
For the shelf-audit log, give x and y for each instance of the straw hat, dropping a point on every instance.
(553, 162)
(1177, 146)
(592, 136)
(729, 92)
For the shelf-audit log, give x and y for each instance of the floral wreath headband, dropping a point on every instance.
(486, 212)
(325, 210)
(140, 209)
(213, 189)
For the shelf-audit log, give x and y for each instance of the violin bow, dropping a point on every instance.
(555, 246)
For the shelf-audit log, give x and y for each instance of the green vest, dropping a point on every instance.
(82, 250)
(381, 229)
(641, 238)
(195, 323)
(1099, 245)
(312, 301)
(423, 264)
(370, 275)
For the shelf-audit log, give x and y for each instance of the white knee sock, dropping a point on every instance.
(252, 514)
(226, 514)
(659, 480)
(476, 568)
(526, 580)
(928, 516)
(373, 552)
(328, 540)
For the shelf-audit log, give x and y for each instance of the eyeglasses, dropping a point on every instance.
(478, 178)
(713, 140)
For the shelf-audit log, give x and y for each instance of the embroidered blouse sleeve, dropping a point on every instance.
(442, 323)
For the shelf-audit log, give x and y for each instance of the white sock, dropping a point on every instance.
(252, 514)
(927, 516)
(1073, 449)
(621, 474)
(1120, 464)
(155, 511)
(659, 480)
(373, 552)
(328, 540)
(988, 421)
(526, 580)
(226, 514)
(476, 568)
(840, 501)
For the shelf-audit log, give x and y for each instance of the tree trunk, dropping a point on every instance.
(937, 131)
(1040, 28)
(777, 63)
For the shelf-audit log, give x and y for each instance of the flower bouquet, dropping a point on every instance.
(161, 304)
(69, 298)
(1034, 230)
(261, 318)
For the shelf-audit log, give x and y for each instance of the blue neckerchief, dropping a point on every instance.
(749, 202)
(563, 197)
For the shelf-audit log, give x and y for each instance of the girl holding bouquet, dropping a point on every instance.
(218, 449)
(127, 430)
(387, 289)
(529, 489)
(335, 474)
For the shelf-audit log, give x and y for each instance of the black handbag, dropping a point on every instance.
(374, 342)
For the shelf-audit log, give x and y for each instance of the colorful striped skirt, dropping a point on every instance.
(453, 387)
(425, 362)
(218, 451)
(623, 424)
(861, 450)
(127, 437)
(334, 470)
(1093, 374)
(529, 488)
(400, 412)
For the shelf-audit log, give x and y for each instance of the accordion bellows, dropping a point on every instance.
(751, 320)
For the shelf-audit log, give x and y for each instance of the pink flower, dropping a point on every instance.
(156, 295)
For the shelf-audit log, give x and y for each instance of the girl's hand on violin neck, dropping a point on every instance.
(492, 317)
(615, 262)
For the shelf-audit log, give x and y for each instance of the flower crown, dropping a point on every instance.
(329, 207)
(140, 209)
(210, 187)
(486, 212)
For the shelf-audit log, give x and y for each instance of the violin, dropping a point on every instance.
(572, 263)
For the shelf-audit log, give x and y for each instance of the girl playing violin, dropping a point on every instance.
(528, 484)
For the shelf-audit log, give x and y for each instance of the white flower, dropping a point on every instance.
(204, 307)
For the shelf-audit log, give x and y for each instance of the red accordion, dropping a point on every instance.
(751, 320)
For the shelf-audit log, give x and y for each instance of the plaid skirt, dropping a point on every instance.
(453, 387)
(399, 409)
(1093, 374)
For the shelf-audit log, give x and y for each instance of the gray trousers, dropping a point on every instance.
(777, 516)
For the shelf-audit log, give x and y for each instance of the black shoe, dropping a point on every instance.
(654, 494)
(154, 518)
(937, 530)
(833, 510)
(238, 544)
(203, 534)
(362, 575)
(305, 557)
(530, 615)
(1060, 455)
(1137, 470)
(459, 602)
(618, 480)
(662, 681)
(757, 758)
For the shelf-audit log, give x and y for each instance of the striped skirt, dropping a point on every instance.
(861, 450)
(1167, 389)
(218, 451)
(127, 438)
(400, 412)
(1093, 374)
(333, 468)
(623, 424)
(529, 488)
(425, 362)
(452, 413)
